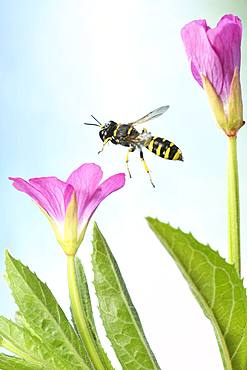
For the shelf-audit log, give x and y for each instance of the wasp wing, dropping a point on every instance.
(154, 114)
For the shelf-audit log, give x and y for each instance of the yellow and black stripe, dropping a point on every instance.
(164, 149)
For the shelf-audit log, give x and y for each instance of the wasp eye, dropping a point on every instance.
(102, 134)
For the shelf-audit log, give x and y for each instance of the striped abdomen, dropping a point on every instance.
(164, 148)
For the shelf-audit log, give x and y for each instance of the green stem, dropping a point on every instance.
(79, 316)
(233, 205)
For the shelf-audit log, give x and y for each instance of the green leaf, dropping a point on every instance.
(46, 318)
(15, 363)
(118, 313)
(21, 322)
(20, 341)
(86, 304)
(216, 286)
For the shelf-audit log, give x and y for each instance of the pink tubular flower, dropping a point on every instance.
(69, 205)
(214, 56)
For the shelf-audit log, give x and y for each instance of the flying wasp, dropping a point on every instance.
(127, 135)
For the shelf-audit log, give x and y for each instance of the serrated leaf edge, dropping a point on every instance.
(139, 329)
(211, 316)
(9, 258)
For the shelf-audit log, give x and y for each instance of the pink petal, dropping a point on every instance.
(202, 23)
(226, 41)
(107, 187)
(50, 193)
(200, 53)
(85, 180)
(196, 74)
(230, 18)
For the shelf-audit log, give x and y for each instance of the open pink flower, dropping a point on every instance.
(214, 56)
(69, 205)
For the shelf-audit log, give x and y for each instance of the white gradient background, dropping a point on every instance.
(61, 61)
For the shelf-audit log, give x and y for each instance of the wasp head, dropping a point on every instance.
(107, 130)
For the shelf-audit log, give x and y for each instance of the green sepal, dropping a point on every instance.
(69, 243)
(216, 103)
(235, 105)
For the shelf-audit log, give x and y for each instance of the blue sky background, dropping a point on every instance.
(61, 61)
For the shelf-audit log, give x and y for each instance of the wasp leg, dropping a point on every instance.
(144, 131)
(146, 167)
(104, 143)
(131, 149)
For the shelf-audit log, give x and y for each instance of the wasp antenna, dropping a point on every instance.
(90, 124)
(95, 119)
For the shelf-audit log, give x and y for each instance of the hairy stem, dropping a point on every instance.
(233, 205)
(79, 316)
